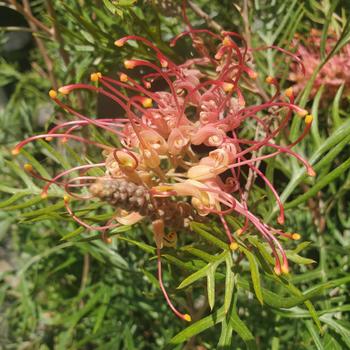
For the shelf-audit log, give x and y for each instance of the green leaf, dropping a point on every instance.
(188, 265)
(73, 234)
(211, 285)
(199, 326)
(291, 255)
(335, 107)
(109, 6)
(200, 229)
(337, 327)
(194, 277)
(254, 270)
(343, 131)
(126, 2)
(199, 253)
(101, 312)
(241, 329)
(314, 111)
(263, 249)
(26, 204)
(325, 29)
(46, 210)
(330, 177)
(202, 272)
(229, 283)
(315, 337)
(147, 248)
(12, 199)
(225, 339)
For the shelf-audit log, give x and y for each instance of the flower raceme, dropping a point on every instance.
(332, 75)
(181, 155)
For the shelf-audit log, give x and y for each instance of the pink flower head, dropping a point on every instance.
(177, 143)
(332, 75)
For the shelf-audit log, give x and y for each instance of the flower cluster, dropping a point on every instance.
(181, 155)
(332, 75)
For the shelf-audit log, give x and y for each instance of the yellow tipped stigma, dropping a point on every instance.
(43, 195)
(53, 93)
(228, 87)
(147, 103)
(277, 270)
(119, 43)
(27, 167)
(15, 151)
(234, 246)
(187, 318)
(289, 92)
(253, 75)
(128, 64)
(270, 79)
(226, 41)
(95, 76)
(284, 270)
(64, 90)
(296, 236)
(48, 138)
(308, 119)
(302, 113)
(123, 78)
(66, 198)
(311, 172)
(164, 63)
(239, 232)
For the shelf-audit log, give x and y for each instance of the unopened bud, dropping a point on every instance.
(228, 87)
(302, 113)
(15, 151)
(119, 42)
(43, 195)
(64, 90)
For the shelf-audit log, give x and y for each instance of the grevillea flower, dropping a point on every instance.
(181, 154)
(332, 75)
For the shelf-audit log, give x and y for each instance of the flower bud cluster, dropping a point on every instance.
(122, 193)
(332, 75)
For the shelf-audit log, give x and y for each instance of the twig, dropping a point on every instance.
(33, 25)
(30, 18)
(85, 272)
(84, 277)
(17, 29)
(56, 32)
(210, 22)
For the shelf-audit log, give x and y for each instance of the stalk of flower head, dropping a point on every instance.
(178, 143)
